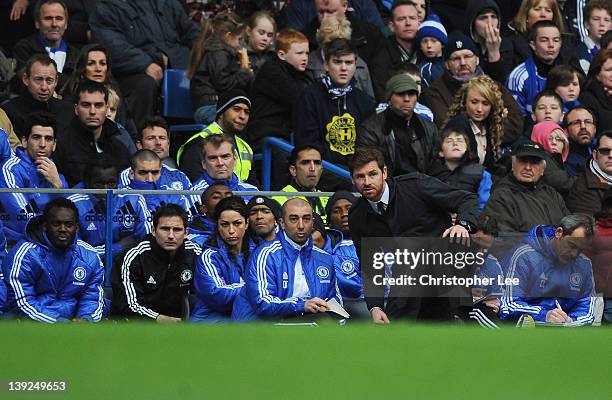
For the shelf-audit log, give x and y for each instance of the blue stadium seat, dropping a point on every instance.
(177, 101)
(175, 91)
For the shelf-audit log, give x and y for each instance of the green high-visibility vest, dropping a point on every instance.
(319, 210)
(244, 153)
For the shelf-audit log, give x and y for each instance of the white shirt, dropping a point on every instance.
(481, 141)
(300, 286)
(384, 198)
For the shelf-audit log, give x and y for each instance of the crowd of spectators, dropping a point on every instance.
(462, 119)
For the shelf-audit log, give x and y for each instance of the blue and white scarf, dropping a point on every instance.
(334, 91)
(58, 54)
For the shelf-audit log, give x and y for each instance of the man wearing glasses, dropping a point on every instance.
(581, 128)
(588, 191)
(462, 63)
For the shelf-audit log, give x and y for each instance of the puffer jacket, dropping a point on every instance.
(49, 285)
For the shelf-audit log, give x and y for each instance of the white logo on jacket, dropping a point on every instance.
(323, 274)
(79, 274)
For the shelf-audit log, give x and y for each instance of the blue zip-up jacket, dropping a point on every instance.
(270, 275)
(218, 281)
(2, 256)
(543, 281)
(155, 200)
(5, 147)
(235, 185)
(130, 218)
(18, 208)
(49, 285)
(491, 269)
(200, 229)
(524, 83)
(170, 178)
(2, 293)
(346, 264)
(431, 69)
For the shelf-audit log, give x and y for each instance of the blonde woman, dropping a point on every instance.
(331, 28)
(478, 111)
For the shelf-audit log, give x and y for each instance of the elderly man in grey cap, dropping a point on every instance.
(409, 142)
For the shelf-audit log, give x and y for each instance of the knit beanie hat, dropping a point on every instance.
(432, 27)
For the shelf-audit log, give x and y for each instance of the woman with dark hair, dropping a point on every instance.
(219, 271)
(94, 64)
(597, 95)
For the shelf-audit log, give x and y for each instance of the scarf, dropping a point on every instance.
(334, 91)
(58, 54)
(599, 173)
(477, 72)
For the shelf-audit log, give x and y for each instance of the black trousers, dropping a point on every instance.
(141, 93)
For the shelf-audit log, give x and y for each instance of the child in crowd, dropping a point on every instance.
(547, 106)
(555, 141)
(276, 87)
(597, 21)
(275, 90)
(458, 169)
(259, 34)
(114, 102)
(566, 82)
(431, 38)
(217, 64)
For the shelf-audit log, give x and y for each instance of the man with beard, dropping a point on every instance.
(581, 128)
(233, 111)
(264, 214)
(31, 167)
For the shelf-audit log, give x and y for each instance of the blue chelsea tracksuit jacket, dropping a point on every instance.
(544, 281)
(218, 281)
(235, 185)
(18, 208)
(270, 275)
(50, 285)
(346, 264)
(130, 218)
(170, 178)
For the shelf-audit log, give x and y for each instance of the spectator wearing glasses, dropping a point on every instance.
(581, 128)
(587, 194)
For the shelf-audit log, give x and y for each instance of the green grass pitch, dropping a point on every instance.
(146, 361)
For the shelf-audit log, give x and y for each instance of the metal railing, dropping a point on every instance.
(271, 142)
(111, 193)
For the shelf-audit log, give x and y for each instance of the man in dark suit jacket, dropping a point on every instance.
(413, 205)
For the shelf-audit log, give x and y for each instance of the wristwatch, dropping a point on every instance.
(468, 227)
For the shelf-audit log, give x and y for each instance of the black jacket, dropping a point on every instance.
(466, 176)
(419, 207)
(27, 47)
(595, 98)
(378, 131)
(439, 96)
(274, 92)
(366, 37)
(218, 72)
(156, 282)
(19, 109)
(76, 147)
(499, 70)
(388, 57)
(518, 207)
(331, 124)
(138, 32)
